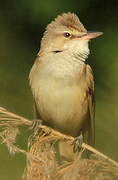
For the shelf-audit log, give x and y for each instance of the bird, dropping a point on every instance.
(62, 81)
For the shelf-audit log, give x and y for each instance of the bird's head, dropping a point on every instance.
(67, 33)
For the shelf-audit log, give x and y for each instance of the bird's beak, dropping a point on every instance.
(91, 35)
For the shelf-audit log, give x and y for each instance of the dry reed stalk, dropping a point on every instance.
(41, 157)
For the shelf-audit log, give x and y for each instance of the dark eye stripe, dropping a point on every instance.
(57, 51)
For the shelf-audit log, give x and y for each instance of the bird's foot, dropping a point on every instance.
(36, 126)
(36, 123)
(38, 130)
(78, 143)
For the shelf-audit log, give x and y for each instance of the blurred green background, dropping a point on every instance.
(21, 26)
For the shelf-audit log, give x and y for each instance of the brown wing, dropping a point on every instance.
(91, 106)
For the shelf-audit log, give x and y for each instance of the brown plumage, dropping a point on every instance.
(69, 20)
(61, 82)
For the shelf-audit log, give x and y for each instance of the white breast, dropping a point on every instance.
(59, 91)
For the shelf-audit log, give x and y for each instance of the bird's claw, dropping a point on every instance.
(35, 124)
(38, 130)
(47, 131)
(78, 143)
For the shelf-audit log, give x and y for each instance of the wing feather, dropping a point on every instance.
(91, 106)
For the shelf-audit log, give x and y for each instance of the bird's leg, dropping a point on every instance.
(78, 142)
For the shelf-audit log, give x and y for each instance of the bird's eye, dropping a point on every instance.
(67, 35)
